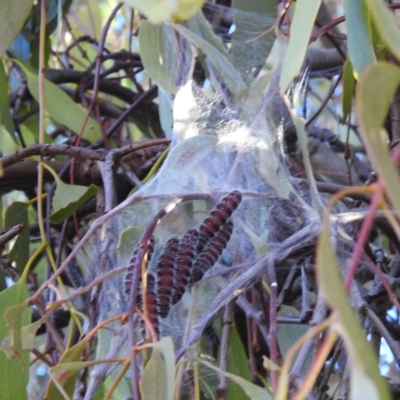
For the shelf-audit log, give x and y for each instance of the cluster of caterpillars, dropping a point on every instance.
(184, 260)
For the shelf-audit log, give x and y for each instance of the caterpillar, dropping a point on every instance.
(186, 256)
(211, 252)
(165, 276)
(129, 273)
(218, 217)
(150, 306)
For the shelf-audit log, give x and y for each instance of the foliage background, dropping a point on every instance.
(110, 111)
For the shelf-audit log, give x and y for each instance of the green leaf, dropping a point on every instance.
(348, 89)
(303, 141)
(366, 381)
(17, 213)
(373, 97)
(15, 372)
(157, 380)
(14, 316)
(127, 242)
(67, 198)
(13, 14)
(61, 108)
(360, 47)
(288, 334)
(300, 32)
(202, 28)
(229, 74)
(165, 105)
(237, 365)
(28, 332)
(187, 9)
(254, 18)
(7, 142)
(387, 25)
(162, 10)
(253, 391)
(5, 115)
(159, 47)
(67, 369)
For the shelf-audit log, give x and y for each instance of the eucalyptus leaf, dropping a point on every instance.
(361, 51)
(15, 317)
(364, 363)
(373, 97)
(202, 28)
(165, 105)
(300, 31)
(127, 243)
(288, 334)
(7, 142)
(5, 115)
(254, 18)
(15, 372)
(253, 391)
(348, 89)
(67, 369)
(225, 69)
(13, 14)
(157, 380)
(159, 46)
(237, 365)
(17, 213)
(61, 107)
(67, 198)
(28, 333)
(162, 10)
(387, 25)
(303, 141)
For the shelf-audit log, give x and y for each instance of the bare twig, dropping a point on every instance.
(222, 389)
(273, 325)
(393, 344)
(52, 149)
(10, 234)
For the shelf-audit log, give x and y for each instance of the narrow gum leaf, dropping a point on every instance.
(67, 198)
(363, 358)
(387, 25)
(61, 107)
(361, 51)
(157, 380)
(66, 371)
(300, 32)
(373, 97)
(12, 17)
(15, 372)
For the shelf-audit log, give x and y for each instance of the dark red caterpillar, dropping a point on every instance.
(165, 276)
(184, 261)
(218, 217)
(150, 306)
(129, 273)
(211, 252)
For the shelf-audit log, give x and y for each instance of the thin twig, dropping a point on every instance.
(380, 327)
(325, 102)
(116, 124)
(222, 389)
(254, 314)
(273, 326)
(10, 234)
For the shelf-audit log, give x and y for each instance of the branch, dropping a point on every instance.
(52, 149)
(10, 233)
